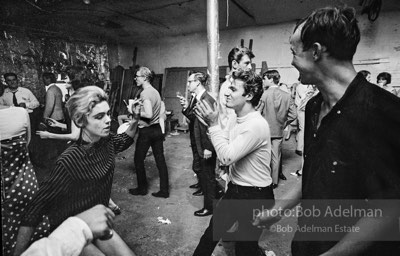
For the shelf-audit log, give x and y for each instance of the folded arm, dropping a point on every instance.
(230, 151)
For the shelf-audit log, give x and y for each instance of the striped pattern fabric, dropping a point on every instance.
(82, 179)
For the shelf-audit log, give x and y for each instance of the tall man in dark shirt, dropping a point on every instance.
(351, 149)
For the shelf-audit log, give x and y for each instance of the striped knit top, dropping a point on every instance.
(81, 179)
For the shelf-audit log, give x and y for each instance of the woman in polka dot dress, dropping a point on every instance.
(18, 180)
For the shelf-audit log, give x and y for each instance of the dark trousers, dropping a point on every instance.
(230, 213)
(207, 180)
(151, 136)
(34, 146)
(35, 118)
(196, 163)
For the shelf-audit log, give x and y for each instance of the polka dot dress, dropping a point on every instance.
(18, 185)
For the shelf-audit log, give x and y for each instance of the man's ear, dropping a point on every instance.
(318, 50)
(249, 96)
(235, 64)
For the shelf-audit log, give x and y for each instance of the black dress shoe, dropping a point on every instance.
(203, 212)
(274, 186)
(197, 185)
(198, 193)
(160, 194)
(281, 176)
(138, 191)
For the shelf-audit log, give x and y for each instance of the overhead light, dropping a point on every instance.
(86, 1)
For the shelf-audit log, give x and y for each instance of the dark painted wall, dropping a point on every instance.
(30, 56)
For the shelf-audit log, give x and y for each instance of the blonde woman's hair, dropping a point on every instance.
(82, 102)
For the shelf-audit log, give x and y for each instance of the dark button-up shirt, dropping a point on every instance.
(354, 153)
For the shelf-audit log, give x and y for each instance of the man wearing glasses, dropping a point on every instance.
(203, 151)
(150, 134)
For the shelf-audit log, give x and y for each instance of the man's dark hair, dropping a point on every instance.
(51, 76)
(365, 73)
(237, 54)
(252, 84)
(10, 74)
(274, 74)
(333, 27)
(200, 76)
(386, 76)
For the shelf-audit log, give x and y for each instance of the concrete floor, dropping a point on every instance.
(138, 224)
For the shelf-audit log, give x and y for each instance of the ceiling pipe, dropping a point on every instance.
(213, 45)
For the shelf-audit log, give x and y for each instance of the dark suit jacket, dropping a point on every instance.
(200, 129)
(189, 113)
(279, 110)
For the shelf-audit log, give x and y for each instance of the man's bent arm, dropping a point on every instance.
(372, 229)
(33, 102)
(67, 240)
(50, 103)
(147, 111)
(230, 151)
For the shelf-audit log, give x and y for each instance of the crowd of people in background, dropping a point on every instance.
(345, 137)
(382, 80)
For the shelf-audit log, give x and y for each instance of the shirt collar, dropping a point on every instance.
(347, 97)
(248, 116)
(9, 90)
(198, 96)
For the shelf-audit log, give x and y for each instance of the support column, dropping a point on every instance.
(213, 45)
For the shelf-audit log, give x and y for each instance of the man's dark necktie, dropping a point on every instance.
(15, 102)
(192, 101)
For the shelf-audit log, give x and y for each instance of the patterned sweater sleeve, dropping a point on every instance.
(121, 141)
(49, 192)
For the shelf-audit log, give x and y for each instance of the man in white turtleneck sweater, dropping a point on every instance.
(247, 150)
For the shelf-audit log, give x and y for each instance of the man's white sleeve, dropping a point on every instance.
(33, 102)
(67, 240)
(231, 151)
